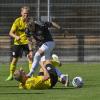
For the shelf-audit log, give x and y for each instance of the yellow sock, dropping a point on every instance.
(30, 65)
(12, 69)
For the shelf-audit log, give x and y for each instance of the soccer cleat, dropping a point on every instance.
(65, 80)
(20, 86)
(10, 77)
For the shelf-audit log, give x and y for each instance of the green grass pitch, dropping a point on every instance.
(90, 91)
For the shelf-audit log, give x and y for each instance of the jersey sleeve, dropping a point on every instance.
(48, 24)
(34, 82)
(14, 26)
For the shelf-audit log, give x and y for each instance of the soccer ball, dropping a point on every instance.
(77, 82)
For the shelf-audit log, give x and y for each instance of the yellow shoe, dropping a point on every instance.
(20, 86)
(10, 77)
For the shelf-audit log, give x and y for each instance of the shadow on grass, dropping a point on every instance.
(9, 86)
(20, 93)
(92, 85)
(70, 87)
(64, 88)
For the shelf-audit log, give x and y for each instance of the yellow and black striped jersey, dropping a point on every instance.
(36, 83)
(19, 27)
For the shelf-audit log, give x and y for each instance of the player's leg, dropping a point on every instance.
(29, 62)
(29, 55)
(46, 58)
(44, 49)
(35, 62)
(16, 52)
(52, 74)
(55, 60)
(12, 68)
(63, 78)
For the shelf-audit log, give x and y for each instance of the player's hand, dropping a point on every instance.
(28, 76)
(30, 55)
(17, 38)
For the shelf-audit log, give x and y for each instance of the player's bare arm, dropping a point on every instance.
(13, 35)
(30, 45)
(56, 25)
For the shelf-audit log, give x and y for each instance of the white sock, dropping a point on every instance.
(35, 63)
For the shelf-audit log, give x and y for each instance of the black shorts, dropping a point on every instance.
(17, 50)
(53, 75)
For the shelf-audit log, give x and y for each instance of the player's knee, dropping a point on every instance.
(49, 67)
(41, 52)
(29, 58)
(47, 62)
(14, 61)
(37, 54)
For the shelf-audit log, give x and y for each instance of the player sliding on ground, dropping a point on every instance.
(46, 81)
(62, 78)
(43, 79)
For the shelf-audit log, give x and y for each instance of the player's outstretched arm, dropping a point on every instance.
(55, 25)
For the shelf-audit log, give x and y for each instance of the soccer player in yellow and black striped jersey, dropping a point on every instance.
(21, 42)
(55, 61)
(46, 81)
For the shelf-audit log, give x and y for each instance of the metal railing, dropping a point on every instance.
(81, 18)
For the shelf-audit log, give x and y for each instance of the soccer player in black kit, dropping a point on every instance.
(44, 42)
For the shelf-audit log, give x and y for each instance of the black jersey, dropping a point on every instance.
(42, 33)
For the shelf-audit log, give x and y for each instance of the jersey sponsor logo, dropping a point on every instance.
(13, 53)
(48, 68)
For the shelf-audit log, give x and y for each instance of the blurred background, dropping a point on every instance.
(80, 18)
